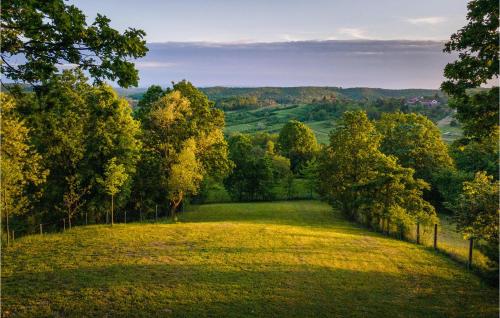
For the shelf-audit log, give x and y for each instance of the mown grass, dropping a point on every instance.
(282, 259)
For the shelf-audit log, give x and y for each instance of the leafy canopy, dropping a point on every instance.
(477, 45)
(21, 165)
(415, 141)
(114, 177)
(364, 183)
(48, 34)
(298, 143)
(476, 210)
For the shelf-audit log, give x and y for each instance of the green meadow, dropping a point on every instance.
(281, 259)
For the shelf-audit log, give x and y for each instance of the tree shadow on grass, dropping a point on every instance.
(218, 291)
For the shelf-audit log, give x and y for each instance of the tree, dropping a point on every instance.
(364, 183)
(144, 105)
(112, 132)
(48, 34)
(415, 141)
(298, 143)
(73, 197)
(311, 174)
(476, 211)
(78, 128)
(114, 178)
(472, 155)
(258, 170)
(185, 176)
(477, 45)
(183, 114)
(21, 165)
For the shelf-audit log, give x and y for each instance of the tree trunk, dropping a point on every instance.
(471, 246)
(112, 207)
(175, 204)
(7, 224)
(418, 233)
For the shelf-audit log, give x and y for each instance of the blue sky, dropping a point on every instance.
(347, 43)
(283, 20)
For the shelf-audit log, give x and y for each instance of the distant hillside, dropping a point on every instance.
(286, 95)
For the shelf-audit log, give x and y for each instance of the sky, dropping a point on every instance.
(300, 42)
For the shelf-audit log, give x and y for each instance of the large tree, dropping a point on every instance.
(477, 45)
(415, 141)
(365, 184)
(183, 114)
(298, 143)
(41, 35)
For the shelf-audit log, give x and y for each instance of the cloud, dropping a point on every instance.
(355, 33)
(307, 36)
(66, 66)
(154, 64)
(426, 20)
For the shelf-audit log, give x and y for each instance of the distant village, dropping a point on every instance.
(421, 100)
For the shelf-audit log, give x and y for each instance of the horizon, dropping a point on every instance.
(331, 63)
(223, 25)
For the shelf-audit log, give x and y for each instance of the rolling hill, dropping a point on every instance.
(282, 259)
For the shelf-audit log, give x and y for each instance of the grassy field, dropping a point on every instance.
(282, 259)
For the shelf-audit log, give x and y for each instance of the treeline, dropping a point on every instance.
(396, 171)
(78, 147)
(333, 108)
(308, 94)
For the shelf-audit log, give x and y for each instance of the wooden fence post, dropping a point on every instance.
(13, 236)
(156, 212)
(435, 236)
(64, 224)
(86, 220)
(41, 228)
(471, 246)
(125, 216)
(418, 233)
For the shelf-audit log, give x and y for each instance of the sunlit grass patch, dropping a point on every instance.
(282, 259)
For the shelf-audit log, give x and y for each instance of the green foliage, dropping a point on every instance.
(477, 213)
(448, 182)
(78, 128)
(114, 177)
(477, 154)
(144, 105)
(182, 122)
(298, 143)
(21, 165)
(258, 168)
(310, 172)
(51, 33)
(477, 45)
(476, 209)
(185, 176)
(366, 184)
(415, 141)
